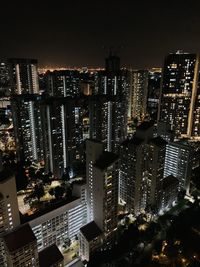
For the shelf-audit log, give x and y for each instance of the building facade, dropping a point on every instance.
(178, 162)
(27, 127)
(179, 97)
(9, 212)
(21, 247)
(138, 94)
(141, 170)
(62, 127)
(23, 76)
(60, 223)
(63, 83)
(113, 85)
(102, 194)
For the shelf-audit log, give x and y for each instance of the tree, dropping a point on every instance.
(51, 191)
(172, 252)
(46, 179)
(59, 192)
(68, 242)
(39, 191)
(65, 176)
(158, 246)
(32, 173)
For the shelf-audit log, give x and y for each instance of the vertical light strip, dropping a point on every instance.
(115, 85)
(105, 85)
(193, 97)
(64, 86)
(109, 126)
(50, 139)
(63, 136)
(35, 82)
(19, 88)
(33, 128)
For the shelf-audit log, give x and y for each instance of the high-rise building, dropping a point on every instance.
(4, 79)
(155, 170)
(138, 94)
(154, 85)
(49, 129)
(141, 170)
(27, 127)
(178, 162)
(112, 83)
(93, 151)
(105, 193)
(21, 247)
(131, 152)
(179, 97)
(169, 191)
(62, 124)
(107, 121)
(24, 76)
(9, 212)
(102, 183)
(63, 83)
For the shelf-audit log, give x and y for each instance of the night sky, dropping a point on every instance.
(79, 33)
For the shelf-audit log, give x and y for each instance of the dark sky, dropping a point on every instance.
(73, 33)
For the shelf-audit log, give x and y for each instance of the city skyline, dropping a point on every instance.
(100, 134)
(80, 34)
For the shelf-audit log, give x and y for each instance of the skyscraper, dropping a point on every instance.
(107, 121)
(102, 183)
(138, 94)
(105, 193)
(179, 94)
(108, 109)
(4, 79)
(62, 122)
(93, 151)
(24, 76)
(141, 170)
(27, 127)
(154, 85)
(9, 212)
(178, 162)
(63, 83)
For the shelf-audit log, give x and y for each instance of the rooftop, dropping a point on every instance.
(169, 180)
(19, 237)
(133, 141)
(47, 207)
(105, 160)
(91, 231)
(50, 256)
(145, 125)
(158, 141)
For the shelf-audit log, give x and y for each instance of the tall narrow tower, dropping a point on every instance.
(24, 76)
(179, 94)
